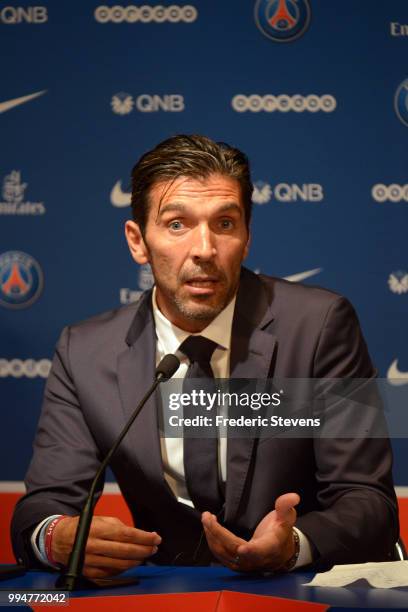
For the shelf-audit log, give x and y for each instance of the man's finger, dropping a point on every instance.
(284, 506)
(107, 528)
(222, 543)
(225, 537)
(119, 550)
(219, 551)
(216, 546)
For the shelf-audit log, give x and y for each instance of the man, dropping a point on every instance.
(191, 200)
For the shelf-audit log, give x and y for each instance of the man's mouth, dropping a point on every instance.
(202, 281)
(202, 285)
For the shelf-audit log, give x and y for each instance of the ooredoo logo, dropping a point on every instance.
(282, 20)
(283, 103)
(146, 14)
(390, 193)
(401, 102)
(30, 368)
(21, 279)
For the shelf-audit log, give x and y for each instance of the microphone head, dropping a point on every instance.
(167, 367)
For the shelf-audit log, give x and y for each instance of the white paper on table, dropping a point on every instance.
(385, 575)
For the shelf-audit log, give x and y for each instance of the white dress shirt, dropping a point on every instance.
(169, 339)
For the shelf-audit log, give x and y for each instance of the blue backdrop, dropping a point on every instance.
(315, 92)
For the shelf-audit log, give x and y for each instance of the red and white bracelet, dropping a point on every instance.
(48, 538)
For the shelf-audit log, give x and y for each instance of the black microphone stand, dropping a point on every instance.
(72, 579)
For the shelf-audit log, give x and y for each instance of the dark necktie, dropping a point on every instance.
(201, 453)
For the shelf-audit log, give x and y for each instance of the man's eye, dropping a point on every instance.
(175, 225)
(226, 224)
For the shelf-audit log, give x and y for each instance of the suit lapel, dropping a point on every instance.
(252, 348)
(136, 370)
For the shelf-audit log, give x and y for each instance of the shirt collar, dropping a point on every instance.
(170, 337)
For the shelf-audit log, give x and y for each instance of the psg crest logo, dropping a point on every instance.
(282, 20)
(21, 279)
(401, 102)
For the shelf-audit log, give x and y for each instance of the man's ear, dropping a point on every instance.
(136, 243)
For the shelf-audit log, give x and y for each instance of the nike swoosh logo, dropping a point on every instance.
(120, 198)
(395, 376)
(5, 106)
(296, 278)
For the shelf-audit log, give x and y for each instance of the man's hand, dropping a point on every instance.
(112, 546)
(270, 547)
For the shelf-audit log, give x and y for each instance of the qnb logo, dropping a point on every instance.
(146, 14)
(283, 103)
(17, 368)
(390, 193)
(398, 282)
(123, 103)
(11, 15)
(282, 20)
(285, 192)
(146, 281)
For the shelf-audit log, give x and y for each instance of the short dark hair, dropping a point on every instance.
(188, 155)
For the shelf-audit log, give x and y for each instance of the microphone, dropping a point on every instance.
(167, 367)
(72, 579)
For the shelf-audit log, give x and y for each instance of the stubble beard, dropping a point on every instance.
(205, 311)
(200, 308)
(200, 312)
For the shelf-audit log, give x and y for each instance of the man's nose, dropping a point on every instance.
(203, 243)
